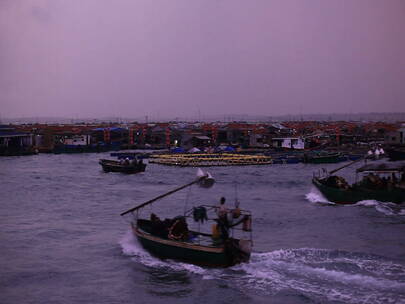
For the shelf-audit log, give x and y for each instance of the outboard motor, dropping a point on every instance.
(206, 182)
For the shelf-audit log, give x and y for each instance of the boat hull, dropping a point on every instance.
(113, 166)
(352, 196)
(324, 159)
(211, 256)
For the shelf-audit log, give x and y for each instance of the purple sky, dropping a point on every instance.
(173, 58)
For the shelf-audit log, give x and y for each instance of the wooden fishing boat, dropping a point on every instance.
(382, 182)
(122, 166)
(199, 249)
(192, 246)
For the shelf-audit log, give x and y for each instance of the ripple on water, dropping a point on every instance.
(60, 215)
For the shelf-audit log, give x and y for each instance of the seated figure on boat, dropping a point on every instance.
(179, 230)
(158, 227)
(372, 181)
(337, 182)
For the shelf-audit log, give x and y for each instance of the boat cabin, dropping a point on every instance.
(384, 182)
(380, 176)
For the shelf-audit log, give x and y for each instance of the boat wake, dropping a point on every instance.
(316, 197)
(322, 275)
(385, 208)
(327, 274)
(131, 247)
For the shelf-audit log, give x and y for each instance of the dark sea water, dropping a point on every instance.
(62, 239)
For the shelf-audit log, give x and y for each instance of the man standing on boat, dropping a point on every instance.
(221, 209)
(222, 221)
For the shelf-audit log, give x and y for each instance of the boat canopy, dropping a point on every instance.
(383, 168)
(194, 150)
(178, 150)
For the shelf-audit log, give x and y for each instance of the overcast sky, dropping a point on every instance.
(130, 58)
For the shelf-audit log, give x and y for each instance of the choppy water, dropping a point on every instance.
(62, 239)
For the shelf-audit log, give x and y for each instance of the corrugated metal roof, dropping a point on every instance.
(13, 134)
(202, 137)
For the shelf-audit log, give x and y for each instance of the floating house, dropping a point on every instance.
(77, 140)
(396, 137)
(200, 141)
(289, 143)
(13, 142)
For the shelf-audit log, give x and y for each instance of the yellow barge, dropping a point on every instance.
(209, 159)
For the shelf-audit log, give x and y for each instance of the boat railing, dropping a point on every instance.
(239, 227)
(321, 173)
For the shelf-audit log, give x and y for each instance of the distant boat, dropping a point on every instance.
(129, 155)
(287, 160)
(323, 158)
(382, 182)
(128, 167)
(171, 238)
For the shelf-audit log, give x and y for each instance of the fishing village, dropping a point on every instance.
(274, 140)
(201, 145)
(219, 230)
(190, 152)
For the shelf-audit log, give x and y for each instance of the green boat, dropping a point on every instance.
(384, 182)
(171, 238)
(200, 249)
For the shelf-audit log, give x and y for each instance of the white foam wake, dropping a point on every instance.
(385, 208)
(132, 248)
(382, 207)
(327, 274)
(316, 197)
